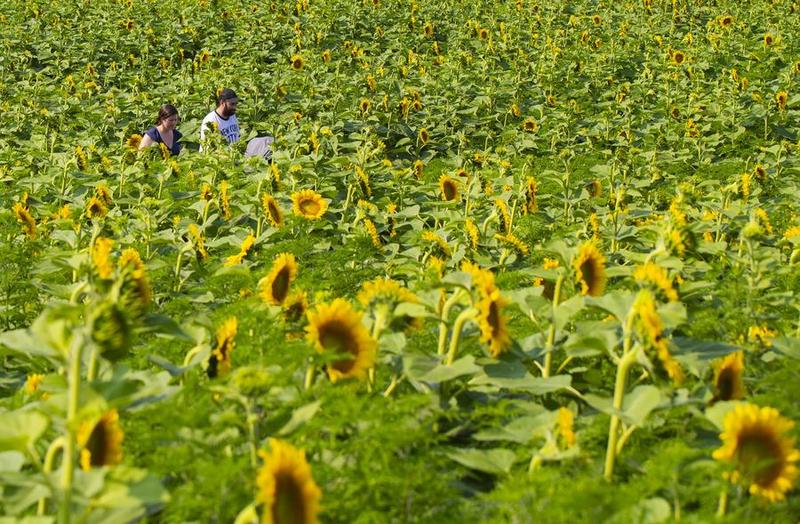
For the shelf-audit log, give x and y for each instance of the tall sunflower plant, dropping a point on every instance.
(69, 440)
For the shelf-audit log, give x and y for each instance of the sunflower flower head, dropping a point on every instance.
(25, 218)
(198, 242)
(135, 291)
(95, 208)
(761, 455)
(448, 188)
(272, 210)
(220, 360)
(437, 240)
(372, 232)
(564, 422)
(492, 323)
(285, 486)
(513, 241)
(274, 288)
(101, 257)
(652, 273)
(133, 141)
(781, 98)
(531, 189)
(473, 234)
(530, 125)
(297, 62)
(651, 331)
(504, 213)
(247, 244)
(590, 270)
(100, 441)
(224, 200)
(309, 204)
(336, 328)
(32, 383)
(384, 291)
(728, 383)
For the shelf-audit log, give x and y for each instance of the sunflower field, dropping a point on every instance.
(511, 262)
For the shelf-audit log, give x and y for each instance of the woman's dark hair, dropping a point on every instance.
(166, 111)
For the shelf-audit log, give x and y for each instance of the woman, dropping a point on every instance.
(164, 131)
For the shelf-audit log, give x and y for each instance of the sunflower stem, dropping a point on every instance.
(445, 312)
(91, 372)
(627, 360)
(466, 315)
(722, 507)
(309, 380)
(74, 381)
(381, 314)
(551, 335)
(49, 458)
(392, 386)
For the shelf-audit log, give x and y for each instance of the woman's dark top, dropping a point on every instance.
(155, 136)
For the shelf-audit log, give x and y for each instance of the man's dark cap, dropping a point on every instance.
(226, 94)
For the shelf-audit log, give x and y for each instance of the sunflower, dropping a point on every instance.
(103, 194)
(309, 204)
(725, 21)
(654, 274)
(81, 159)
(781, 97)
(100, 441)
(363, 182)
(272, 210)
(274, 288)
(336, 327)
(295, 306)
(297, 62)
(220, 360)
(135, 290)
(286, 487)
(769, 39)
(505, 215)
(25, 218)
(32, 383)
(224, 200)
(515, 110)
(590, 270)
(492, 323)
(438, 241)
(384, 290)
(652, 332)
(427, 29)
(101, 257)
(530, 125)
(364, 105)
(678, 57)
(728, 384)
(449, 188)
(372, 231)
(326, 56)
(248, 242)
(597, 20)
(514, 242)
(760, 172)
(418, 168)
(199, 242)
(133, 142)
(423, 136)
(564, 421)
(754, 442)
(472, 233)
(95, 208)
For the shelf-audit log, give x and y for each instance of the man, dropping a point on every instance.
(224, 116)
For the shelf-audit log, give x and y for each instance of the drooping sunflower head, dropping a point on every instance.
(651, 332)
(295, 307)
(590, 270)
(274, 288)
(364, 105)
(336, 328)
(220, 360)
(133, 142)
(384, 290)
(95, 208)
(763, 458)
(423, 136)
(494, 331)
(781, 97)
(564, 421)
(728, 383)
(449, 188)
(309, 204)
(285, 486)
(272, 210)
(100, 441)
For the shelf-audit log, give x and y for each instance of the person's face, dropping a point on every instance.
(170, 122)
(229, 106)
